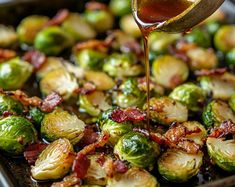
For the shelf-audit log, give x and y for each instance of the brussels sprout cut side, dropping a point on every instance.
(55, 161)
(8, 36)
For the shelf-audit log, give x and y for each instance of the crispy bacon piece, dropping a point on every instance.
(212, 72)
(6, 54)
(7, 113)
(90, 136)
(68, 181)
(95, 6)
(87, 88)
(50, 102)
(133, 46)
(129, 114)
(32, 151)
(226, 128)
(120, 166)
(36, 58)
(81, 165)
(99, 45)
(59, 18)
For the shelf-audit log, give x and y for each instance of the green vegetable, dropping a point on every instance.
(179, 166)
(137, 149)
(232, 102)
(217, 112)
(190, 95)
(36, 115)
(52, 40)
(222, 152)
(8, 36)
(213, 26)
(9, 104)
(230, 57)
(14, 73)
(129, 26)
(120, 7)
(55, 161)
(170, 71)
(15, 133)
(61, 124)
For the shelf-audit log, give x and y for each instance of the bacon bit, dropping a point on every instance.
(81, 165)
(95, 6)
(99, 45)
(226, 128)
(129, 114)
(189, 146)
(183, 46)
(101, 159)
(8, 113)
(212, 72)
(90, 136)
(58, 19)
(133, 46)
(68, 181)
(6, 54)
(87, 88)
(36, 58)
(119, 166)
(50, 102)
(32, 152)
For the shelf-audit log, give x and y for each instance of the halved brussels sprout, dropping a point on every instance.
(201, 58)
(61, 124)
(15, 133)
(200, 37)
(137, 149)
(100, 79)
(165, 110)
(55, 161)
(120, 7)
(14, 73)
(36, 116)
(189, 94)
(222, 152)
(90, 59)
(220, 86)
(232, 102)
(160, 41)
(122, 65)
(78, 27)
(100, 20)
(93, 103)
(213, 26)
(52, 40)
(134, 177)
(179, 166)
(8, 104)
(8, 36)
(230, 57)
(96, 174)
(29, 27)
(60, 81)
(129, 26)
(129, 95)
(51, 64)
(170, 71)
(224, 38)
(217, 112)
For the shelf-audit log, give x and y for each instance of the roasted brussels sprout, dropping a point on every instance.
(93, 103)
(100, 79)
(190, 95)
(222, 152)
(15, 133)
(90, 59)
(54, 162)
(120, 7)
(60, 81)
(170, 77)
(200, 37)
(134, 177)
(230, 57)
(220, 86)
(8, 104)
(29, 27)
(213, 26)
(78, 27)
(160, 41)
(61, 124)
(36, 116)
(165, 110)
(201, 58)
(100, 20)
(8, 36)
(232, 102)
(137, 149)
(52, 40)
(129, 26)
(129, 95)
(14, 73)
(224, 38)
(217, 112)
(179, 166)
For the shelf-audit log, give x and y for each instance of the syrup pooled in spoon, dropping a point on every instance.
(148, 15)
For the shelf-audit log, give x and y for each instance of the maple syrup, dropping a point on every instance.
(148, 15)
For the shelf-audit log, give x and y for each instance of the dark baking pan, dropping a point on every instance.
(14, 172)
